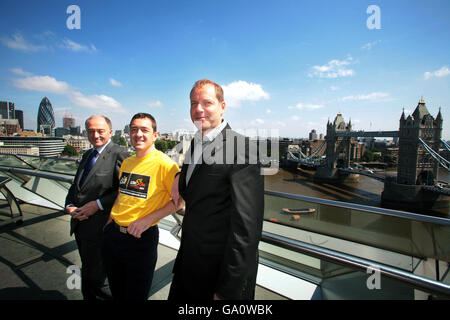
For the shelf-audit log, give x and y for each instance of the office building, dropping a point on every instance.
(45, 117)
(7, 110)
(18, 114)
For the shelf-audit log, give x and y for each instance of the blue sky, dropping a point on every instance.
(285, 65)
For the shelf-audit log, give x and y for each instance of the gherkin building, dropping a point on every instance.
(45, 117)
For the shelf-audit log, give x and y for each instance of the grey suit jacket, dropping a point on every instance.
(101, 183)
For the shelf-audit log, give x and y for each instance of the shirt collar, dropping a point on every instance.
(212, 134)
(100, 149)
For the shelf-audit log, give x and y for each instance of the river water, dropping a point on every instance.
(366, 191)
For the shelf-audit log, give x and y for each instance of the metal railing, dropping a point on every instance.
(421, 283)
(360, 207)
(52, 176)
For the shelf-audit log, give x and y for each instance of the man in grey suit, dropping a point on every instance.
(89, 202)
(223, 189)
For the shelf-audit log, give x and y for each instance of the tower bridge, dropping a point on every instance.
(368, 134)
(419, 138)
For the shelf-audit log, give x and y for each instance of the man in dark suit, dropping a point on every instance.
(223, 188)
(89, 202)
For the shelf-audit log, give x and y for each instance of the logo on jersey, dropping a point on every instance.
(134, 185)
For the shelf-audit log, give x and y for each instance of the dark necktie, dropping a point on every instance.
(90, 163)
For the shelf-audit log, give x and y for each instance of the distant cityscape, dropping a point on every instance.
(49, 140)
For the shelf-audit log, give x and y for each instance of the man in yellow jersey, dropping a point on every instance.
(131, 235)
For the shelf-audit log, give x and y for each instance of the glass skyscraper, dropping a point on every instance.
(45, 117)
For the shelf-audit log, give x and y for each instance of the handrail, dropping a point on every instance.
(382, 211)
(377, 210)
(37, 174)
(40, 157)
(419, 282)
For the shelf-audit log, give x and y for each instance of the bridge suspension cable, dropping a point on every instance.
(445, 144)
(306, 160)
(442, 161)
(318, 149)
(304, 156)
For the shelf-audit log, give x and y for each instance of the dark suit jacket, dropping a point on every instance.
(222, 225)
(101, 183)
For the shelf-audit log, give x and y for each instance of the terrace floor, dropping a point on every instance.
(35, 260)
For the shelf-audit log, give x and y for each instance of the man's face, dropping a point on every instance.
(206, 110)
(141, 135)
(99, 132)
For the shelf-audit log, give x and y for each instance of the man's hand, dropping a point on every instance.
(86, 211)
(137, 227)
(71, 210)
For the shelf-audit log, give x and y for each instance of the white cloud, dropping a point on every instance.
(308, 106)
(333, 69)
(370, 45)
(20, 72)
(50, 84)
(114, 82)
(295, 118)
(94, 101)
(76, 47)
(334, 88)
(239, 91)
(18, 42)
(50, 40)
(257, 122)
(154, 104)
(442, 72)
(374, 97)
(268, 111)
(42, 83)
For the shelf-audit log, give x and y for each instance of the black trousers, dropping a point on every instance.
(130, 262)
(93, 274)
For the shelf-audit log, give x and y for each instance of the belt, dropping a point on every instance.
(120, 228)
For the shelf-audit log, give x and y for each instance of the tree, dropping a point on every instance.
(171, 144)
(389, 159)
(119, 140)
(161, 145)
(367, 156)
(69, 151)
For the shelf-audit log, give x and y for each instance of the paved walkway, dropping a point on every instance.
(37, 256)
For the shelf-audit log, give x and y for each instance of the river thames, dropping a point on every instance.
(366, 191)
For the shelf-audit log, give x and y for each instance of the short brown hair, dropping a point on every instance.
(204, 82)
(143, 115)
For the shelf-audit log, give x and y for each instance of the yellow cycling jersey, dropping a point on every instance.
(145, 186)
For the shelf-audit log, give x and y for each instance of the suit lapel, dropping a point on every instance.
(221, 136)
(82, 165)
(98, 163)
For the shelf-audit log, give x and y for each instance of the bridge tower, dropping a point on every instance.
(339, 149)
(415, 165)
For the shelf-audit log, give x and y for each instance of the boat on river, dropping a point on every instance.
(298, 211)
